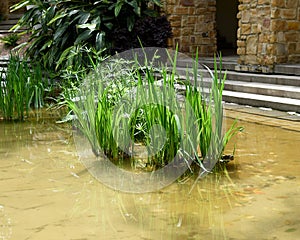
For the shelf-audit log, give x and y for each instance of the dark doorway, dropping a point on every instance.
(227, 24)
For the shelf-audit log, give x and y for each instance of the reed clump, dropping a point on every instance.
(22, 86)
(149, 115)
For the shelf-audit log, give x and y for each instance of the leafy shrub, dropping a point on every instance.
(10, 40)
(60, 27)
(148, 31)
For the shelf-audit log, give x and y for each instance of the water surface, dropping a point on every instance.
(45, 192)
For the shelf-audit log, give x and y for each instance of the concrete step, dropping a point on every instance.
(264, 89)
(277, 91)
(264, 78)
(6, 25)
(288, 69)
(257, 100)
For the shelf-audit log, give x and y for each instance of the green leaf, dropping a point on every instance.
(47, 45)
(60, 31)
(83, 36)
(100, 43)
(63, 56)
(59, 16)
(90, 26)
(108, 25)
(130, 22)
(118, 7)
(84, 17)
(135, 6)
(97, 21)
(72, 12)
(19, 5)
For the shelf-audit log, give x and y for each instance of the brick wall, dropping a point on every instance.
(193, 23)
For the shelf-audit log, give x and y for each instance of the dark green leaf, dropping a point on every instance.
(130, 22)
(84, 17)
(60, 31)
(83, 36)
(118, 7)
(59, 16)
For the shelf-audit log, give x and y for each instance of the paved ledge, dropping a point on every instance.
(265, 116)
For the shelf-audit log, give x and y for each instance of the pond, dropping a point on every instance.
(46, 193)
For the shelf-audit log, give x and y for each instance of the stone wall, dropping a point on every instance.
(286, 26)
(193, 23)
(268, 34)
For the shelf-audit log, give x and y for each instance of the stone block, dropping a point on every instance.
(278, 25)
(251, 59)
(288, 13)
(263, 2)
(241, 43)
(251, 45)
(254, 28)
(246, 29)
(291, 4)
(246, 15)
(181, 10)
(294, 58)
(278, 3)
(176, 32)
(292, 48)
(280, 37)
(266, 23)
(293, 25)
(187, 31)
(292, 37)
(275, 13)
(192, 19)
(281, 49)
(187, 2)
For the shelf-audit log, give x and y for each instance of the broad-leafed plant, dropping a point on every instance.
(59, 28)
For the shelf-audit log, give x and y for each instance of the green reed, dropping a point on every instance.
(22, 87)
(126, 107)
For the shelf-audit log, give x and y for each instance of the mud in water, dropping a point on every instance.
(45, 192)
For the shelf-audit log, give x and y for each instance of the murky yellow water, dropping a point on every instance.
(45, 192)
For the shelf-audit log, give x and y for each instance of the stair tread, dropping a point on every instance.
(260, 97)
(263, 85)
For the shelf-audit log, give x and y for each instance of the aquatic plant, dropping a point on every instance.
(22, 87)
(130, 107)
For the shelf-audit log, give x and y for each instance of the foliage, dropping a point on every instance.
(22, 86)
(60, 28)
(127, 107)
(10, 40)
(148, 32)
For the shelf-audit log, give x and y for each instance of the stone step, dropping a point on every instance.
(264, 78)
(6, 25)
(257, 100)
(264, 89)
(288, 69)
(279, 79)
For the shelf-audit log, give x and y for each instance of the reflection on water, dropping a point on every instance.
(47, 194)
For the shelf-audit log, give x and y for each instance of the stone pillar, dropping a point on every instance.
(285, 24)
(268, 34)
(194, 25)
(255, 39)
